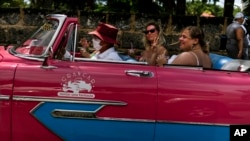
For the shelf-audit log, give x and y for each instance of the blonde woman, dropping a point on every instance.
(155, 53)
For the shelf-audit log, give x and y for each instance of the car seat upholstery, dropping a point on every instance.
(126, 58)
(218, 61)
(237, 65)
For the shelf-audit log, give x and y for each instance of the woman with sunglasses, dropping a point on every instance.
(155, 53)
(195, 52)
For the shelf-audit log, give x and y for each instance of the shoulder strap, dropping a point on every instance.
(197, 60)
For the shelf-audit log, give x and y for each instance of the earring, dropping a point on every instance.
(192, 47)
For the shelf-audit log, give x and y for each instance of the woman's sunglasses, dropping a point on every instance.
(151, 31)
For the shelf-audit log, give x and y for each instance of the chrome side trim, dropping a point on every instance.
(4, 97)
(68, 100)
(126, 119)
(62, 113)
(183, 67)
(92, 114)
(194, 123)
(82, 114)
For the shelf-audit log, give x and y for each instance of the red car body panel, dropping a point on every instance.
(221, 98)
(49, 82)
(7, 75)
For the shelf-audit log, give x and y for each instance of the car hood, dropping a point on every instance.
(5, 56)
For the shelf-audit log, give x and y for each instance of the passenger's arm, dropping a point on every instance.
(162, 57)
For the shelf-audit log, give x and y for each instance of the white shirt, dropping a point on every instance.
(67, 55)
(244, 28)
(109, 54)
(248, 38)
(171, 59)
(245, 31)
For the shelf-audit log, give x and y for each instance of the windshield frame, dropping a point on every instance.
(55, 17)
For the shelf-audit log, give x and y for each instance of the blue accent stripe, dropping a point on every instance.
(74, 129)
(191, 132)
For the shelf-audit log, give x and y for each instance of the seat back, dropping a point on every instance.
(219, 60)
(126, 58)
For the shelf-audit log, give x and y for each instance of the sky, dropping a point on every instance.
(236, 2)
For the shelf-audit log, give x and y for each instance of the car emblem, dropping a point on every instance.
(77, 84)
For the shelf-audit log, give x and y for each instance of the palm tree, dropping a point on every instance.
(246, 7)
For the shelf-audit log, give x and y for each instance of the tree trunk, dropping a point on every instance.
(228, 8)
(181, 7)
(145, 6)
(169, 6)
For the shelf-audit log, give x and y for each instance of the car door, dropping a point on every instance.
(198, 104)
(7, 71)
(90, 100)
(84, 100)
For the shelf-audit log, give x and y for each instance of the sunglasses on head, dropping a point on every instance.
(151, 31)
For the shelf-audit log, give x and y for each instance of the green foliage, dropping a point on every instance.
(246, 7)
(193, 7)
(13, 3)
(114, 6)
(197, 8)
(132, 6)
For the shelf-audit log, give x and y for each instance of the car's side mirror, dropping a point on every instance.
(45, 61)
(45, 64)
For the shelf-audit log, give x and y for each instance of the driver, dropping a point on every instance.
(103, 39)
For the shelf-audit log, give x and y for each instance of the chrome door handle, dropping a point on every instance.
(139, 73)
(48, 67)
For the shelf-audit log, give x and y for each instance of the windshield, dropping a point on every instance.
(38, 43)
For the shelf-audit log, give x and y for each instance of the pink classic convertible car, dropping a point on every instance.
(45, 96)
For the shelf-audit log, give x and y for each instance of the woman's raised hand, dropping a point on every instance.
(155, 42)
